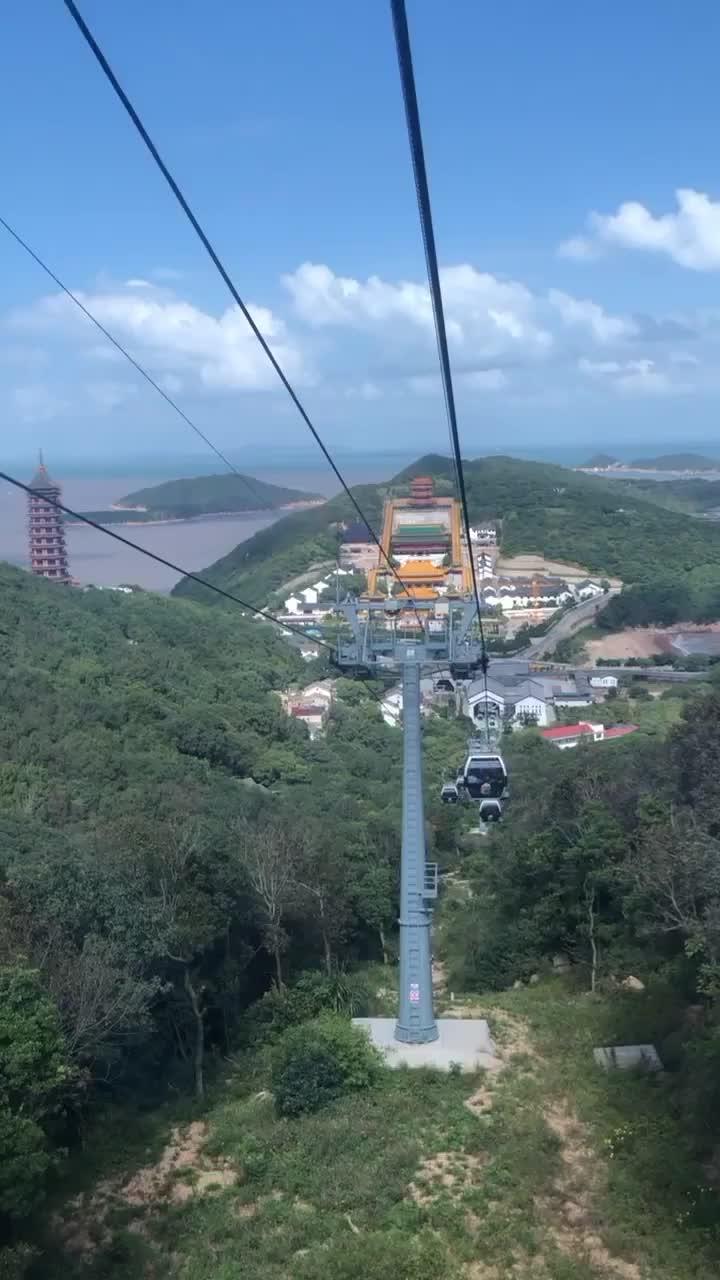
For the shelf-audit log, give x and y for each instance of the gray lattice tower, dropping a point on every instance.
(428, 642)
(416, 1021)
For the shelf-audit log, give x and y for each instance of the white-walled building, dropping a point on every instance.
(604, 682)
(507, 701)
(484, 533)
(588, 588)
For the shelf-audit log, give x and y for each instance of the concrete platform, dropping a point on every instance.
(466, 1041)
(628, 1057)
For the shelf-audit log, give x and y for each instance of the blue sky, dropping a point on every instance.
(582, 290)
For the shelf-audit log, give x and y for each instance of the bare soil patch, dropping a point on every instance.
(520, 566)
(183, 1171)
(568, 1210)
(641, 642)
(451, 1172)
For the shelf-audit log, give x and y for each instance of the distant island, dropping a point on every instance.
(676, 462)
(190, 499)
(599, 462)
(693, 462)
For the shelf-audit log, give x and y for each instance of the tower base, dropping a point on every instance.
(466, 1042)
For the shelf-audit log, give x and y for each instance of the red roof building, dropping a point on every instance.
(569, 735)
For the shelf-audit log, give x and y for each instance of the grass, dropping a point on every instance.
(656, 715)
(407, 1183)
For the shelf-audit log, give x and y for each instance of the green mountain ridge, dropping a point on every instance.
(542, 508)
(676, 462)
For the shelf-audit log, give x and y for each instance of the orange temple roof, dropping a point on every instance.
(421, 569)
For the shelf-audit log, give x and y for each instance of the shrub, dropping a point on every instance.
(320, 1060)
(311, 995)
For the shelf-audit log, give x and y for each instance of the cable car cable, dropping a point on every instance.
(217, 262)
(194, 577)
(412, 116)
(135, 363)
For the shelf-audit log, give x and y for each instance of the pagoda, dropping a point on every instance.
(48, 548)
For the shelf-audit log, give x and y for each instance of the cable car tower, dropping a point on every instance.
(389, 636)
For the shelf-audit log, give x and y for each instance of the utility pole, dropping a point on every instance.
(430, 636)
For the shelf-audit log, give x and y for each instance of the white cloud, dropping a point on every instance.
(23, 357)
(109, 395)
(425, 384)
(484, 380)
(642, 377)
(598, 368)
(366, 390)
(486, 317)
(362, 340)
(690, 235)
(37, 403)
(220, 351)
(585, 315)
(633, 377)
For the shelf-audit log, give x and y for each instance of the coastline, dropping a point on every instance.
(690, 474)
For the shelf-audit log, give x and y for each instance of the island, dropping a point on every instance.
(676, 462)
(692, 463)
(599, 462)
(201, 496)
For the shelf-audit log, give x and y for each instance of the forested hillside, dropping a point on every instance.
(258, 567)
(693, 494)
(151, 788)
(190, 894)
(541, 507)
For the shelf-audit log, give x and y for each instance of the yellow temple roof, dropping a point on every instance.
(421, 569)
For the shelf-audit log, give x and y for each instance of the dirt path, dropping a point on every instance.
(321, 567)
(569, 1208)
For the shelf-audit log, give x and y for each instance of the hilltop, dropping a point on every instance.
(676, 462)
(599, 462)
(540, 507)
(664, 462)
(186, 499)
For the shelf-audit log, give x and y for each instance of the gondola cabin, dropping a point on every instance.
(449, 793)
(490, 811)
(484, 775)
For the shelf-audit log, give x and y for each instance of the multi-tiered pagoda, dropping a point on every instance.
(48, 548)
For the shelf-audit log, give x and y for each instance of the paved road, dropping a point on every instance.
(663, 674)
(581, 616)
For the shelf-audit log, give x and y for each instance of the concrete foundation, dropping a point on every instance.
(465, 1041)
(628, 1057)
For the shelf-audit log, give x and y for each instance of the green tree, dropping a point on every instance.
(35, 1075)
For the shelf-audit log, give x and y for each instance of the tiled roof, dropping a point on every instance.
(567, 730)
